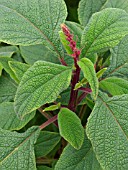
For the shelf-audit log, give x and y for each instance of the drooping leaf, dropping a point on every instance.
(70, 127)
(46, 142)
(82, 159)
(19, 27)
(4, 62)
(42, 83)
(8, 51)
(114, 85)
(87, 8)
(89, 73)
(18, 68)
(34, 53)
(17, 149)
(104, 30)
(9, 119)
(7, 88)
(119, 60)
(121, 4)
(107, 128)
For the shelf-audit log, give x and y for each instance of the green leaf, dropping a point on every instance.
(114, 85)
(104, 30)
(52, 107)
(19, 27)
(70, 127)
(17, 149)
(43, 168)
(89, 73)
(42, 83)
(34, 53)
(9, 119)
(119, 60)
(8, 51)
(87, 8)
(107, 128)
(121, 4)
(4, 62)
(82, 159)
(46, 142)
(18, 68)
(7, 88)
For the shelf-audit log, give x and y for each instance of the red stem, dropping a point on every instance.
(48, 122)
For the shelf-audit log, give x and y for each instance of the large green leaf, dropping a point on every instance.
(87, 8)
(107, 128)
(119, 60)
(82, 159)
(46, 142)
(42, 83)
(34, 53)
(122, 4)
(17, 149)
(9, 119)
(89, 73)
(25, 22)
(104, 30)
(70, 127)
(114, 85)
(7, 88)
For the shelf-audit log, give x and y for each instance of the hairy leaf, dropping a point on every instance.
(107, 128)
(46, 143)
(70, 127)
(87, 8)
(105, 30)
(17, 149)
(82, 159)
(27, 22)
(9, 119)
(41, 84)
(89, 73)
(114, 85)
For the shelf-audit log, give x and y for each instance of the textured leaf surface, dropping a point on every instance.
(107, 128)
(104, 30)
(42, 83)
(43, 168)
(34, 53)
(82, 159)
(7, 51)
(7, 88)
(119, 60)
(46, 143)
(87, 8)
(4, 62)
(18, 68)
(89, 73)
(70, 128)
(122, 4)
(114, 85)
(17, 149)
(9, 119)
(27, 22)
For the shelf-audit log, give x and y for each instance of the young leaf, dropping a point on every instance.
(8, 51)
(87, 8)
(41, 84)
(46, 142)
(105, 30)
(9, 119)
(114, 85)
(18, 68)
(107, 128)
(84, 158)
(89, 73)
(70, 127)
(33, 53)
(17, 149)
(119, 60)
(7, 88)
(19, 27)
